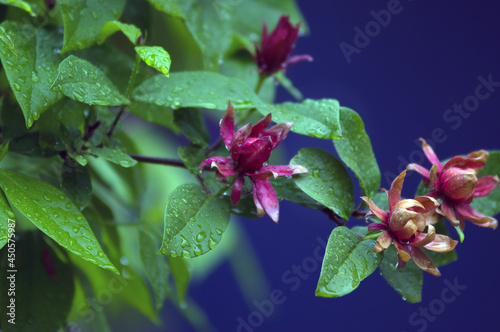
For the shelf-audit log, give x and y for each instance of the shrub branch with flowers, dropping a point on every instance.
(89, 104)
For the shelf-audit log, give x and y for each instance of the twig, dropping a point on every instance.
(158, 160)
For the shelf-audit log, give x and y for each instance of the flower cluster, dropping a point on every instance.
(250, 148)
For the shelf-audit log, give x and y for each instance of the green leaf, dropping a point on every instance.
(286, 188)
(211, 30)
(6, 218)
(288, 85)
(347, 261)
(19, 4)
(129, 30)
(181, 276)
(82, 81)
(44, 286)
(406, 281)
(490, 204)
(316, 118)
(355, 150)
(3, 150)
(83, 20)
(170, 7)
(194, 222)
(153, 113)
(155, 266)
(196, 89)
(31, 67)
(192, 156)
(327, 181)
(155, 57)
(114, 155)
(192, 125)
(76, 183)
(54, 214)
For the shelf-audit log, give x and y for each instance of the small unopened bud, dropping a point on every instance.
(458, 184)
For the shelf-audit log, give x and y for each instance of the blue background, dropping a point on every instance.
(427, 58)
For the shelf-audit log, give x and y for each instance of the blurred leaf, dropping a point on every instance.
(490, 204)
(76, 183)
(44, 286)
(19, 4)
(192, 155)
(347, 261)
(355, 149)
(181, 276)
(288, 85)
(115, 155)
(192, 125)
(6, 215)
(171, 7)
(83, 20)
(31, 67)
(316, 118)
(155, 57)
(54, 214)
(194, 222)
(3, 150)
(155, 266)
(406, 281)
(82, 81)
(161, 115)
(129, 30)
(327, 181)
(196, 89)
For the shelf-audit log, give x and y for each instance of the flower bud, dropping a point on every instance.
(458, 184)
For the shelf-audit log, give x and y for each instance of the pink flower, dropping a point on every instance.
(404, 225)
(457, 184)
(250, 147)
(273, 53)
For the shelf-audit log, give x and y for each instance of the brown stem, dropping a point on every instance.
(157, 160)
(117, 118)
(333, 216)
(91, 129)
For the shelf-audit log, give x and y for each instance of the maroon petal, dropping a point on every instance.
(297, 58)
(216, 159)
(236, 193)
(485, 185)
(423, 261)
(420, 169)
(395, 190)
(261, 125)
(278, 132)
(468, 212)
(227, 125)
(239, 139)
(429, 153)
(266, 198)
(476, 159)
(260, 209)
(423, 239)
(376, 226)
(378, 212)
(224, 169)
(449, 213)
(253, 156)
(266, 172)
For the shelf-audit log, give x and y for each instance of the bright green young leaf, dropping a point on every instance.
(6, 217)
(31, 67)
(194, 222)
(19, 4)
(406, 281)
(44, 286)
(129, 30)
(114, 155)
(82, 81)
(210, 28)
(76, 183)
(347, 261)
(83, 20)
(316, 118)
(196, 89)
(192, 125)
(155, 57)
(170, 7)
(181, 276)
(54, 214)
(156, 266)
(327, 181)
(490, 204)
(355, 150)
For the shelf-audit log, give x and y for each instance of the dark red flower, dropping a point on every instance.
(250, 148)
(272, 54)
(457, 184)
(404, 225)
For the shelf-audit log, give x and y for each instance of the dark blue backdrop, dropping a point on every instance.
(402, 81)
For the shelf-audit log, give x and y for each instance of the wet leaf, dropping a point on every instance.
(129, 30)
(6, 218)
(76, 183)
(19, 4)
(181, 276)
(155, 57)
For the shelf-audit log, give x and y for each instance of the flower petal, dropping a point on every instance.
(261, 125)
(216, 159)
(400, 217)
(260, 209)
(253, 156)
(476, 159)
(402, 253)
(227, 125)
(278, 132)
(378, 212)
(485, 185)
(384, 240)
(428, 203)
(395, 190)
(419, 169)
(224, 169)
(441, 243)
(278, 170)
(238, 186)
(422, 239)
(267, 198)
(376, 226)
(476, 217)
(430, 154)
(433, 176)
(423, 261)
(239, 139)
(409, 204)
(449, 213)
(297, 58)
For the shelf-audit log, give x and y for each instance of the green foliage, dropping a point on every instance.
(327, 180)
(19, 4)
(6, 215)
(489, 205)
(348, 260)
(129, 30)
(155, 57)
